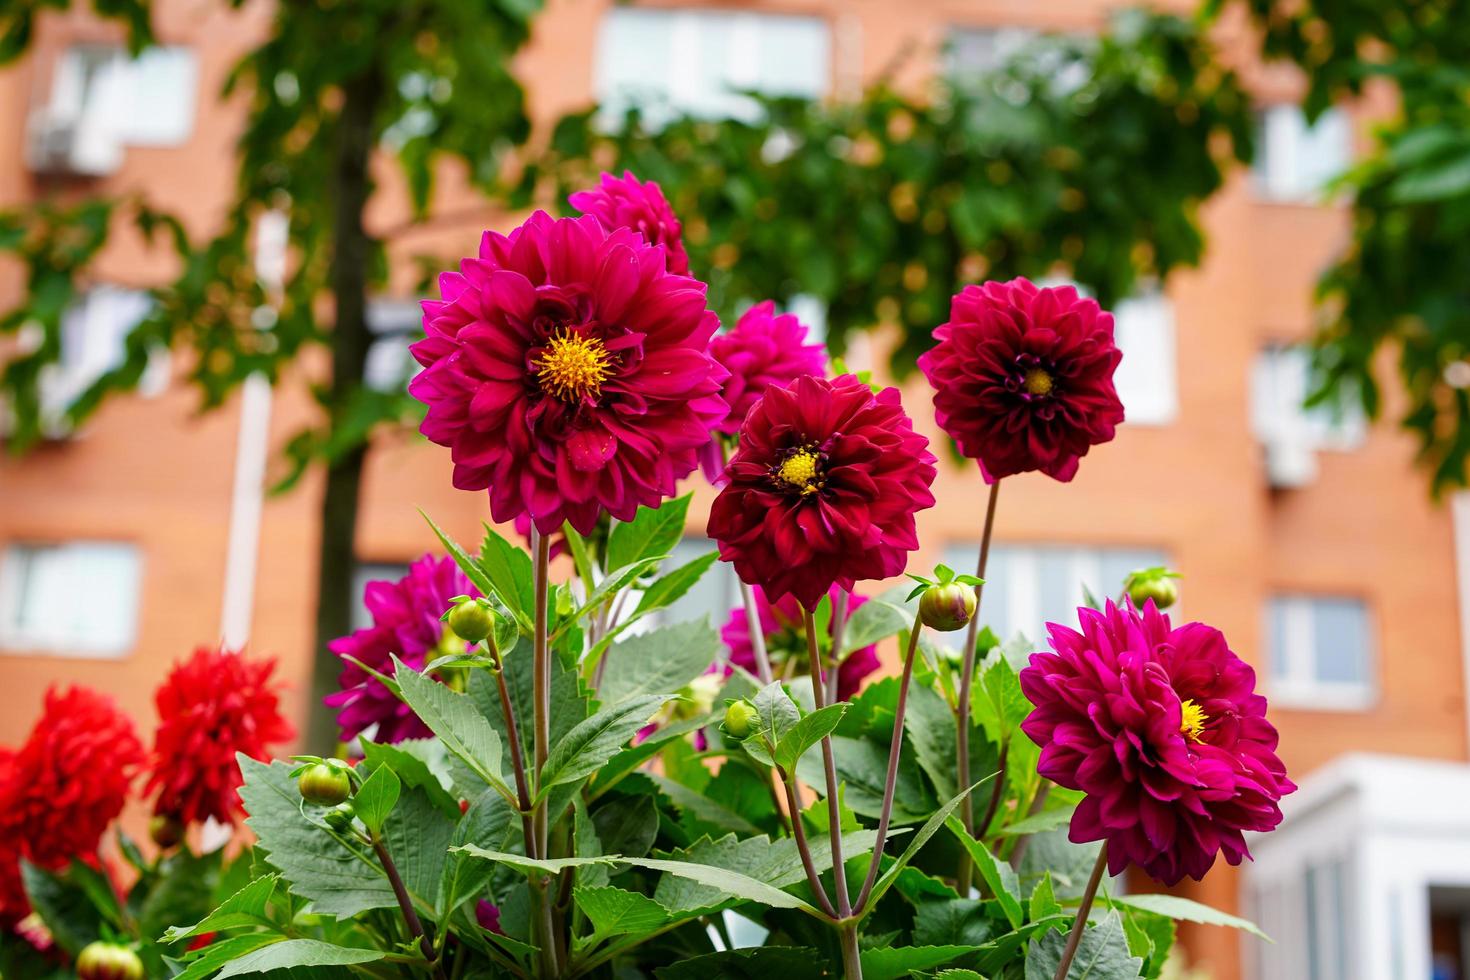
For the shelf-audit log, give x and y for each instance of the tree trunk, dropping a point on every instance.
(336, 557)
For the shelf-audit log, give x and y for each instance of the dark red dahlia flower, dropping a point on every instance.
(1163, 730)
(406, 623)
(1023, 377)
(823, 489)
(211, 706)
(62, 788)
(568, 373)
(784, 628)
(624, 202)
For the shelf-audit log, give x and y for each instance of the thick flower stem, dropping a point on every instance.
(852, 961)
(967, 679)
(513, 734)
(829, 767)
(541, 738)
(405, 903)
(840, 609)
(757, 635)
(996, 793)
(798, 831)
(890, 781)
(1075, 938)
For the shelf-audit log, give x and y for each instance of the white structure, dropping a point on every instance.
(1373, 849)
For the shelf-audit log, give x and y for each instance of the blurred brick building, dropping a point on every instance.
(1307, 538)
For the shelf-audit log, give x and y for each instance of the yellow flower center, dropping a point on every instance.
(800, 471)
(573, 367)
(1038, 382)
(1193, 724)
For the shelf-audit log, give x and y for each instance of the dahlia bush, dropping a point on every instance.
(548, 772)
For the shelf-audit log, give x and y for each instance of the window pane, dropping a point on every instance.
(39, 589)
(1146, 376)
(1340, 641)
(714, 595)
(1280, 661)
(1059, 593)
(361, 576)
(1116, 564)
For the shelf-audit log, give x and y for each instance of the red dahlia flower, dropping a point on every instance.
(568, 373)
(1023, 377)
(1163, 730)
(784, 628)
(62, 788)
(823, 489)
(406, 623)
(623, 202)
(212, 705)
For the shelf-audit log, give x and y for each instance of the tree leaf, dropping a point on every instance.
(454, 718)
(651, 533)
(1176, 907)
(292, 953)
(376, 797)
(246, 907)
(596, 740)
(660, 661)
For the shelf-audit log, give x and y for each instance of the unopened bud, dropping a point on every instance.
(472, 620)
(739, 716)
(324, 784)
(1157, 584)
(339, 817)
(108, 961)
(947, 607)
(166, 830)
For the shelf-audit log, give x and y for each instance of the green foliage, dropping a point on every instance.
(882, 208)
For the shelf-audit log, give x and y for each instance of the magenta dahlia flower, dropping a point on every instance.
(765, 349)
(1023, 377)
(568, 373)
(624, 202)
(823, 489)
(1163, 730)
(784, 628)
(406, 624)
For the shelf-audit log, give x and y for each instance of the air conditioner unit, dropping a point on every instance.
(1290, 463)
(70, 146)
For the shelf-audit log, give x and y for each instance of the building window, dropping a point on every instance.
(714, 595)
(1147, 378)
(74, 599)
(1028, 586)
(394, 324)
(1292, 432)
(672, 61)
(364, 573)
(974, 54)
(1320, 652)
(1296, 160)
(94, 336)
(102, 101)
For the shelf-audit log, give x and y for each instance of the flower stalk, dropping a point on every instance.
(1074, 939)
(405, 903)
(840, 609)
(541, 738)
(829, 769)
(965, 871)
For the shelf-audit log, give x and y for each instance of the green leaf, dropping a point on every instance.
(999, 876)
(510, 571)
(246, 907)
(453, 717)
(1043, 901)
(952, 922)
(930, 828)
(776, 713)
(335, 880)
(703, 807)
(660, 661)
(757, 963)
(873, 622)
(1102, 955)
(467, 564)
(417, 836)
(1190, 911)
(775, 863)
(487, 823)
(1040, 822)
(420, 763)
(997, 700)
(223, 952)
(295, 953)
(577, 545)
(376, 797)
(615, 912)
(807, 732)
(862, 764)
(670, 588)
(727, 881)
(530, 866)
(627, 825)
(651, 533)
(892, 962)
(69, 913)
(596, 740)
(929, 723)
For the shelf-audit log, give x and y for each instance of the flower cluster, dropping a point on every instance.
(625, 202)
(764, 350)
(213, 705)
(785, 635)
(62, 787)
(1162, 729)
(406, 624)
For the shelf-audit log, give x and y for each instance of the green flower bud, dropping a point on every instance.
(324, 784)
(339, 817)
(947, 607)
(472, 620)
(1157, 584)
(166, 830)
(108, 961)
(739, 716)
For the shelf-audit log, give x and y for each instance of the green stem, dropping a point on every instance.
(829, 768)
(965, 871)
(541, 739)
(852, 961)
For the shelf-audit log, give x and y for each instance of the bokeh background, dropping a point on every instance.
(216, 219)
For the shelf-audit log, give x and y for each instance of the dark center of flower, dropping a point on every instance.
(1194, 720)
(1037, 382)
(573, 367)
(801, 470)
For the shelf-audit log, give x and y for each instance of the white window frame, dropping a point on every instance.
(63, 640)
(394, 324)
(1280, 382)
(94, 335)
(1285, 139)
(1291, 672)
